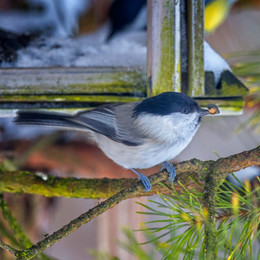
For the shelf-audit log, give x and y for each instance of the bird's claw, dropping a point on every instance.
(144, 179)
(165, 166)
(170, 169)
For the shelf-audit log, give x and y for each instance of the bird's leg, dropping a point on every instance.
(144, 179)
(170, 169)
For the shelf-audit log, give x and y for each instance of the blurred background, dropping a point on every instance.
(40, 33)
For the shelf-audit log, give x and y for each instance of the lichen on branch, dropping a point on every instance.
(46, 185)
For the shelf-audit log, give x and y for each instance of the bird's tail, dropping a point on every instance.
(46, 118)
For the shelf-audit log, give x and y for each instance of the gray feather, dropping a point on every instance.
(113, 120)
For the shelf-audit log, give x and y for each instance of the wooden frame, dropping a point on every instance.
(175, 29)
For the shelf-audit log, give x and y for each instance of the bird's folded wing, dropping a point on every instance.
(104, 121)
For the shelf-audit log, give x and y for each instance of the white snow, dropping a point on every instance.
(214, 62)
(60, 15)
(84, 51)
(91, 50)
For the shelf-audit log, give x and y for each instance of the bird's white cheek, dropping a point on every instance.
(169, 127)
(182, 120)
(156, 127)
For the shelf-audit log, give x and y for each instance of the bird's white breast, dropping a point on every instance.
(165, 140)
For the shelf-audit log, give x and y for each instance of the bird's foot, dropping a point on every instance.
(144, 179)
(170, 169)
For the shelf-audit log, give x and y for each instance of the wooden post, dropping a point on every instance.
(195, 26)
(163, 54)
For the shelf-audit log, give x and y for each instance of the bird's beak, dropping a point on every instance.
(211, 110)
(204, 112)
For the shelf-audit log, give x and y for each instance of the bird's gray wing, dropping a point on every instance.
(114, 121)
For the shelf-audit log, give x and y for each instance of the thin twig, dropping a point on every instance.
(86, 217)
(23, 240)
(8, 248)
(16, 228)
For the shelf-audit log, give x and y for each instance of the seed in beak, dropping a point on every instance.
(213, 109)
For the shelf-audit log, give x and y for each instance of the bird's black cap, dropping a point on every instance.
(167, 103)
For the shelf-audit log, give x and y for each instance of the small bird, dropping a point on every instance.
(136, 135)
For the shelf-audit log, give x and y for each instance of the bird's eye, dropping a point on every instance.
(185, 110)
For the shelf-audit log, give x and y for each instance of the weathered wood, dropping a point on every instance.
(195, 26)
(76, 81)
(71, 89)
(163, 60)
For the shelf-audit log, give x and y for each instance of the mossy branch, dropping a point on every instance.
(220, 168)
(209, 200)
(38, 183)
(8, 248)
(22, 240)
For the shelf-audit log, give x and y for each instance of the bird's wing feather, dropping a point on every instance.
(104, 121)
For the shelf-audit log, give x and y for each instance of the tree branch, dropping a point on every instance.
(209, 199)
(42, 184)
(85, 218)
(22, 239)
(8, 248)
(197, 167)
(16, 228)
